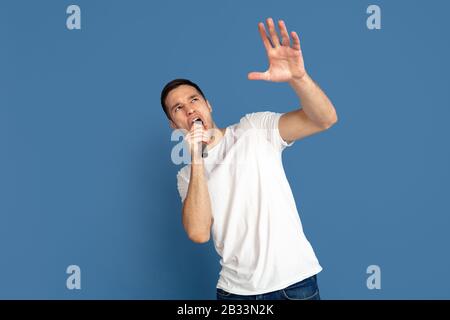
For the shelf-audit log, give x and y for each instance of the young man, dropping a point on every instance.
(239, 191)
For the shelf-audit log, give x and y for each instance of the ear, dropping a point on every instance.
(209, 106)
(172, 124)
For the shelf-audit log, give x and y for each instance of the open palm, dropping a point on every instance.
(285, 60)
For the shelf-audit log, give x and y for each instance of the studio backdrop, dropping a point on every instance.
(89, 206)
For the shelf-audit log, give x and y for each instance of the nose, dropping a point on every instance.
(190, 110)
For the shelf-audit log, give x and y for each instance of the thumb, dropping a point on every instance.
(258, 76)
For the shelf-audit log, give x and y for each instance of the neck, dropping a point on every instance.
(216, 135)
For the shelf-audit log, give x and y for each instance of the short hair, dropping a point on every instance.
(172, 85)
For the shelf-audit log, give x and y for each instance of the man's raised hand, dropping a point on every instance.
(285, 60)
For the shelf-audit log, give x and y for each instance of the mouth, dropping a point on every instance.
(197, 119)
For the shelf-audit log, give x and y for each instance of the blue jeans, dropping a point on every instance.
(304, 290)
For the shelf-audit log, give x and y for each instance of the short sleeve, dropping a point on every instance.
(182, 184)
(267, 122)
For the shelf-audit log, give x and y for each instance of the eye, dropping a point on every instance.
(176, 108)
(195, 99)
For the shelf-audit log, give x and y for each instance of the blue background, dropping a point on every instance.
(85, 171)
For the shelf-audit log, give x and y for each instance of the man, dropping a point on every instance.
(240, 191)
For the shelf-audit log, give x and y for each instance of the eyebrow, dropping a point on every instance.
(176, 104)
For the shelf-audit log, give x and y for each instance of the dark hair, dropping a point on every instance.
(172, 85)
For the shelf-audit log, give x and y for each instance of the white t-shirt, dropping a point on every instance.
(256, 227)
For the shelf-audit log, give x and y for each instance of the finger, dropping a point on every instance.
(197, 135)
(273, 33)
(196, 128)
(258, 76)
(188, 138)
(262, 32)
(295, 41)
(192, 136)
(285, 41)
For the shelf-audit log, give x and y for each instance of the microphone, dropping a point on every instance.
(204, 144)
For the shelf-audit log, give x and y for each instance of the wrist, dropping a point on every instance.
(197, 161)
(300, 80)
(303, 85)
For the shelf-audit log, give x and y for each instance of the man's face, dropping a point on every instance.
(185, 104)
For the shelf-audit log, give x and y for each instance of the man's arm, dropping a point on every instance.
(197, 212)
(317, 113)
(197, 217)
(286, 65)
